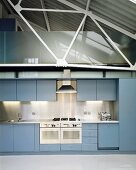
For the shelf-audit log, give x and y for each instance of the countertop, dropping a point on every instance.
(47, 121)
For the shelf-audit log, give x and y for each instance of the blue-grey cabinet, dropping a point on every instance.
(49, 147)
(24, 137)
(71, 147)
(6, 138)
(86, 90)
(26, 90)
(46, 90)
(7, 90)
(127, 114)
(37, 137)
(106, 90)
(96, 90)
(108, 136)
(89, 137)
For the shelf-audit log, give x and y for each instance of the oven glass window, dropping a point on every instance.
(71, 134)
(50, 135)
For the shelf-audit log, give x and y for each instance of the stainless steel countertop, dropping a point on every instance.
(45, 120)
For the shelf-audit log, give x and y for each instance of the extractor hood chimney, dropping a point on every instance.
(66, 84)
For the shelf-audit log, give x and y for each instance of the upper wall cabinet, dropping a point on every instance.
(26, 90)
(96, 90)
(7, 90)
(46, 90)
(86, 90)
(106, 90)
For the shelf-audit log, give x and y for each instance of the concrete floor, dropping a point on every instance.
(68, 162)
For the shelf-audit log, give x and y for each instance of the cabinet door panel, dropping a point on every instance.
(6, 138)
(24, 138)
(50, 147)
(106, 90)
(127, 114)
(86, 90)
(7, 90)
(108, 136)
(46, 90)
(26, 90)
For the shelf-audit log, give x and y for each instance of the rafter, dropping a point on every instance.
(45, 16)
(73, 40)
(51, 10)
(17, 9)
(99, 19)
(111, 42)
(87, 8)
(77, 9)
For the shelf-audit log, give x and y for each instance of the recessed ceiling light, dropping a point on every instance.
(134, 1)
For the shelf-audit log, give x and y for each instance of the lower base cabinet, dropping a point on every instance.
(108, 136)
(71, 147)
(50, 147)
(24, 135)
(89, 137)
(6, 138)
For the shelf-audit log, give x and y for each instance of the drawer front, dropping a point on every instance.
(71, 147)
(89, 140)
(50, 147)
(87, 126)
(89, 133)
(89, 147)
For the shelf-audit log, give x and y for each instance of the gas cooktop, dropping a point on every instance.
(66, 119)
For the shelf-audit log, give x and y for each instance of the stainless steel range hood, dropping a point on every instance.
(66, 86)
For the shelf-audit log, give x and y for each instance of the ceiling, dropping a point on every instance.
(117, 17)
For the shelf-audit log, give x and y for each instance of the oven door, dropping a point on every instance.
(71, 135)
(49, 135)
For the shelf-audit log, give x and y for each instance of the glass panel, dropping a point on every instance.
(71, 134)
(50, 135)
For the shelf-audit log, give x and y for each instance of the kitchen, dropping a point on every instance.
(92, 128)
(68, 121)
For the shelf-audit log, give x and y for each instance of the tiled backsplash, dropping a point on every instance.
(65, 106)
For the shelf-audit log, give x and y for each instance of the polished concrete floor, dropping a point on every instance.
(68, 162)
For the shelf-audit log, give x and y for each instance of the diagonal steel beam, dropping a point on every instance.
(110, 41)
(17, 9)
(98, 25)
(51, 10)
(87, 8)
(45, 16)
(19, 2)
(74, 38)
(99, 19)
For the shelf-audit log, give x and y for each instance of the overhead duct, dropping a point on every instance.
(66, 86)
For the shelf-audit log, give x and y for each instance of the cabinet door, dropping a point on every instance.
(106, 90)
(6, 138)
(24, 137)
(108, 136)
(86, 90)
(26, 90)
(7, 90)
(46, 90)
(127, 114)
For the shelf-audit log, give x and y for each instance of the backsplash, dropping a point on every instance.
(65, 106)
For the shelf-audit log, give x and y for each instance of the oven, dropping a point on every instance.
(71, 133)
(50, 133)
